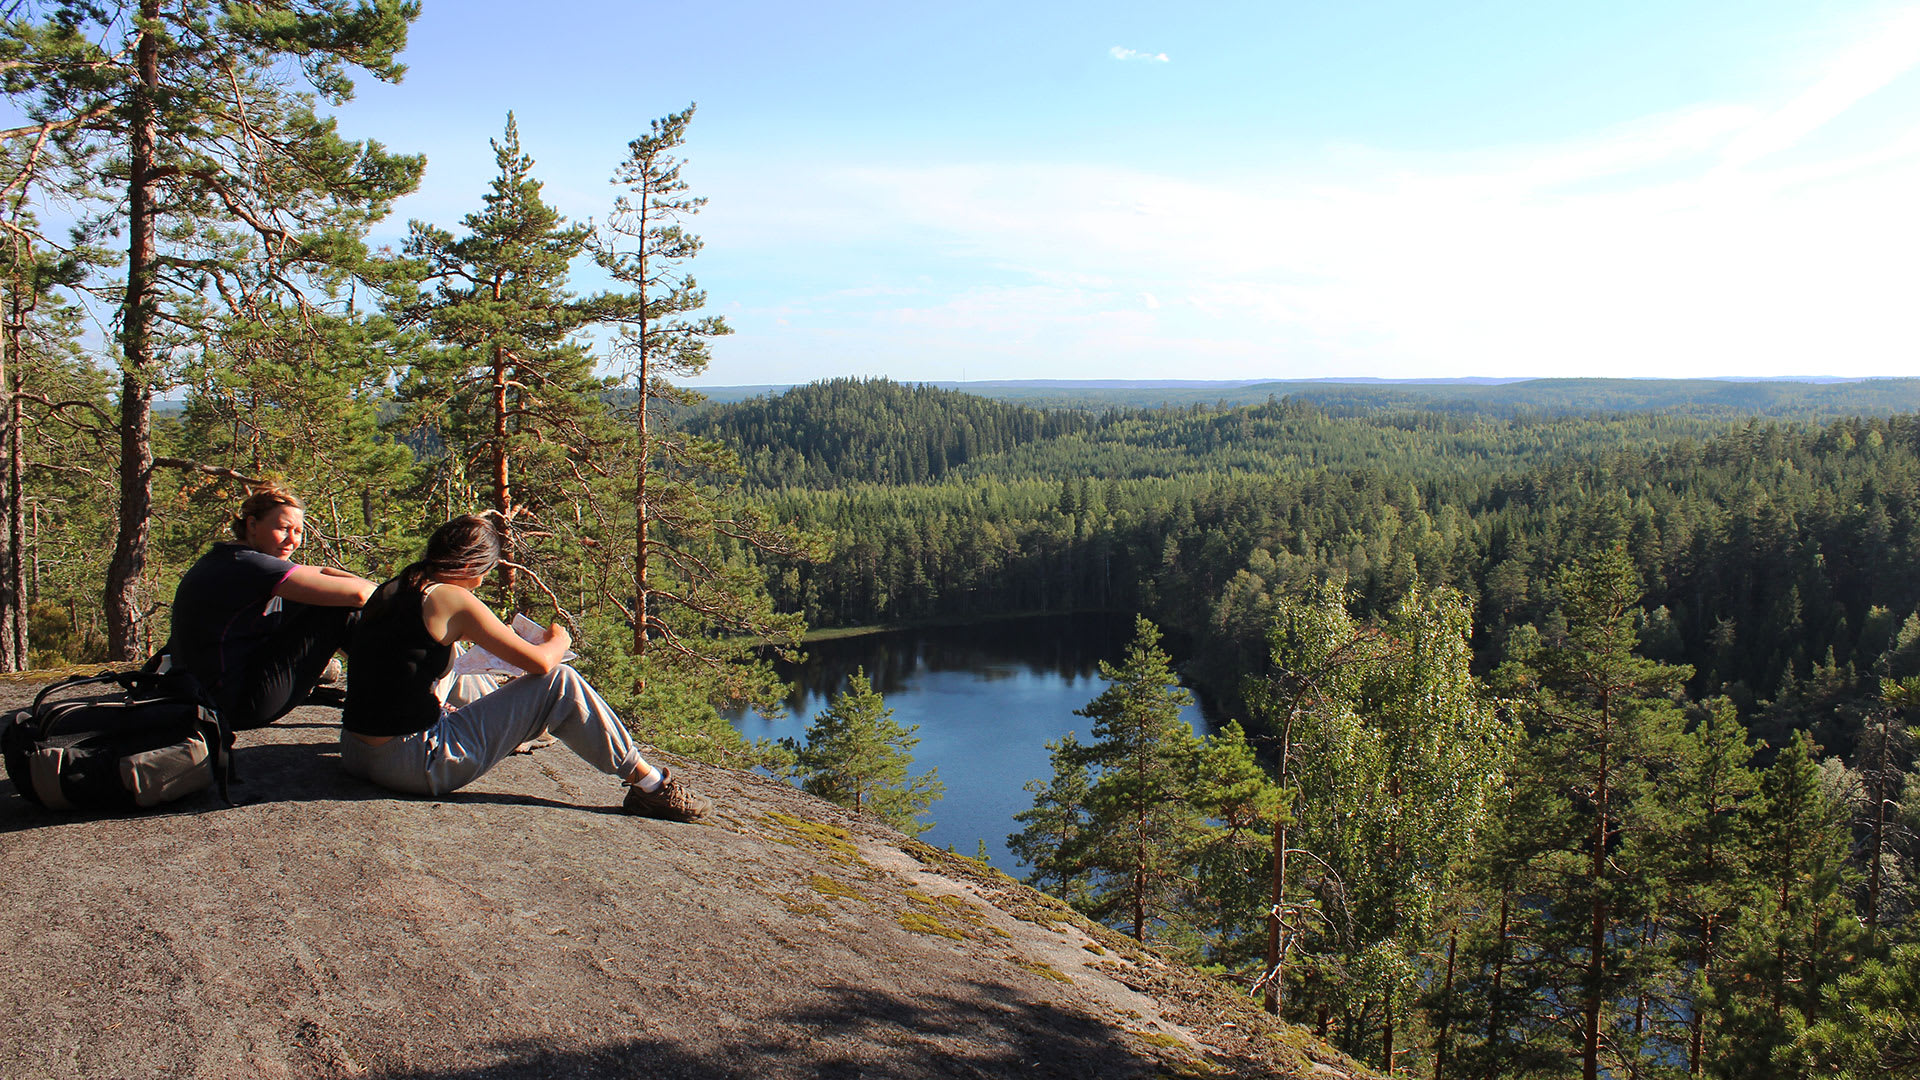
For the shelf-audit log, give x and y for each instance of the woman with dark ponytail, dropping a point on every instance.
(398, 733)
(255, 628)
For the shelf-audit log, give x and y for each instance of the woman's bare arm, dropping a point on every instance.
(324, 586)
(467, 619)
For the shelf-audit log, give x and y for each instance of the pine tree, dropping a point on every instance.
(1801, 935)
(1884, 759)
(858, 756)
(693, 596)
(39, 343)
(1870, 1026)
(1055, 828)
(1143, 825)
(511, 392)
(1604, 711)
(1702, 837)
(57, 422)
(185, 128)
(692, 589)
(1233, 862)
(299, 397)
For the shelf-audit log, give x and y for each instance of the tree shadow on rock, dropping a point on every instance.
(860, 1032)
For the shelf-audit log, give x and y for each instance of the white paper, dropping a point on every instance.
(478, 661)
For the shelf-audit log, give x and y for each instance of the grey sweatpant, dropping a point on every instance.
(479, 735)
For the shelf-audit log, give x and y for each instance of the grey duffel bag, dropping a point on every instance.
(117, 741)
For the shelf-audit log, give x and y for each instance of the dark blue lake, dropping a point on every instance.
(987, 698)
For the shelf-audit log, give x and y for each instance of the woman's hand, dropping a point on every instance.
(559, 633)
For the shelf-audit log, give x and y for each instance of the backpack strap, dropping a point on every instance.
(40, 699)
(219, 744)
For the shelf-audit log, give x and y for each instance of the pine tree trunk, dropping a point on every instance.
(1386, 1034)
(1140, 853)
(502, 478)
(1879, 835)
(13, 607)
(17, 583)
(1446, 1008)
(1275, 945)
(1597, 932)
(1703, 962)
(642, 510)
(136, 379)
(1495, 996)
(1394, 855)
(1780, 953)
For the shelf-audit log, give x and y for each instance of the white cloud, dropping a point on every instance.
(1120, 52)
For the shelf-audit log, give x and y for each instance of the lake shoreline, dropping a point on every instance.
(840, 633)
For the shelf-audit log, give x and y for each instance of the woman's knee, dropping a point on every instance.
(563, 679)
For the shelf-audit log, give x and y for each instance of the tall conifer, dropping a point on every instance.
(511, 390)
(690, 537)
(190, 130)
(1604, 712)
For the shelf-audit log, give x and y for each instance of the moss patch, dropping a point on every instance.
(951, 909)
(1155, 1039)
(1046, 971)
(922, 921)
(945, 916)
(827, 886)
(957, 865)
(834, 842)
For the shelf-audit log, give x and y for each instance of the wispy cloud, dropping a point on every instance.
(1121, 52)
(1856, 74)
(1627, 251)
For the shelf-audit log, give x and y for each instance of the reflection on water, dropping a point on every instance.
(987, 699)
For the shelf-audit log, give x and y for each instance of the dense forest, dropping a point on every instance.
(1745, 588)
(1726, 399)
(1572, 716)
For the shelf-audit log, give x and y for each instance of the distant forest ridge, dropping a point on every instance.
(826, 434)
(1798, 398)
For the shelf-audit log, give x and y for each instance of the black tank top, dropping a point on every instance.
(392, 666)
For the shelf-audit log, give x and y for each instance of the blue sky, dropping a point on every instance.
(1276, 190)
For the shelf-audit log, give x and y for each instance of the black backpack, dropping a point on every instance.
(117, 741)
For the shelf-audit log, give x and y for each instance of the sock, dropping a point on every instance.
(652, 783)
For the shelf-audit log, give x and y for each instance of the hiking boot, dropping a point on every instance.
(671, 802)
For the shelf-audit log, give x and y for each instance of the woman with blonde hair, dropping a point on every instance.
(255, 628)
(399, 733)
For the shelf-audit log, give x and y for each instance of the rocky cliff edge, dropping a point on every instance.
(525, 928)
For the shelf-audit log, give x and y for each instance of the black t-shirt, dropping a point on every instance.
(395, 664)
(224, 609)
